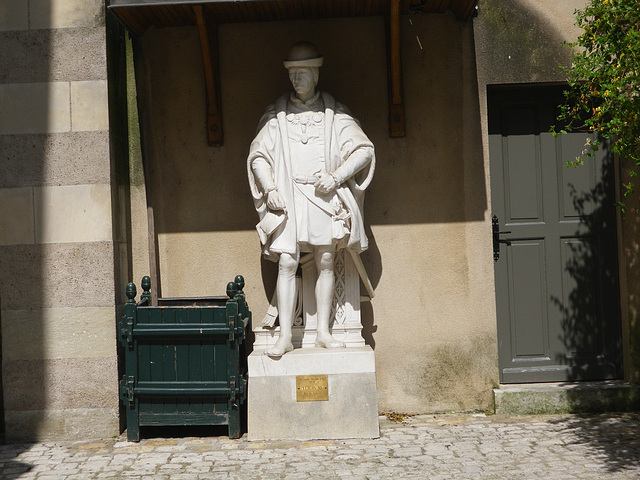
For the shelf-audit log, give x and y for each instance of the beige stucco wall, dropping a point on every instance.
(432, 321)
(59, 367)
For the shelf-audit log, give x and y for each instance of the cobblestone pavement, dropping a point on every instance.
(453, 446)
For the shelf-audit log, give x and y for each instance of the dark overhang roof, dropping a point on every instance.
(139, 15)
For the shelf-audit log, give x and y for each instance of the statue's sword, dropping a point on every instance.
(362, 272)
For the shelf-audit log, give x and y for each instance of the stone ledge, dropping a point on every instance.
(553, 398)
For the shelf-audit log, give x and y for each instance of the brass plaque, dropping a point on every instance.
(312, 388)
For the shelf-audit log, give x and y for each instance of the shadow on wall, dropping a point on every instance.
(631, 234)
(420, 179)
(25, 265)
(590, 310)
(433, 175)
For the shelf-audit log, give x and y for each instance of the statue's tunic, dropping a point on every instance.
(297, 142)
(317, 215)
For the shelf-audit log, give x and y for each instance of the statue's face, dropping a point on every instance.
(304, 81)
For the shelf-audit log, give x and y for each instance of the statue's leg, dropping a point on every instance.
(286, 287)
(324, 296)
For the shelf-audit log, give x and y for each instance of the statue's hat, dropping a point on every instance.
(303, 54)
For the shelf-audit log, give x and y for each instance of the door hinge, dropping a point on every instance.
(495, 230)
(126, 330)
(232, 328)
(237, 389)
(232, 389)
(127, 390)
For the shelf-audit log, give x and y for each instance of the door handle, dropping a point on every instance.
(495, 230)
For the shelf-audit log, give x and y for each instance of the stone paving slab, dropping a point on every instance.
(434, 447)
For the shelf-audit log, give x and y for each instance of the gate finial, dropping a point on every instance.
(131, 293)
(239, 280)
(146, 286)
(232, 289)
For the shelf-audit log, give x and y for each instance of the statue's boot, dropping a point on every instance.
(281, 347)
(327, 341)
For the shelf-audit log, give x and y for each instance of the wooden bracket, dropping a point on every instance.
(396, 105)
(208, 32)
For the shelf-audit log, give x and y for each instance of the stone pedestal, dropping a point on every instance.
(351, 410)
(274, 409)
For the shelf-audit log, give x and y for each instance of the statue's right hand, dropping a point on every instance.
(275, 201)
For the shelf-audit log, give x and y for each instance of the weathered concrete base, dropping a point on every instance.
(61, 425)
(547, 398)
(352, 408)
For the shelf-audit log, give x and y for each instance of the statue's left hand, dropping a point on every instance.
(326, 183)
(275, 201)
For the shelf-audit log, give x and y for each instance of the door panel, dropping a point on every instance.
(528, 300)
(556, 278)
(523, 182)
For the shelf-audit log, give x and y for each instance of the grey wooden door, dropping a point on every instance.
(556, 276)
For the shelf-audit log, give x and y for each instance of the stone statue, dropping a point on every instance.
(308, 168)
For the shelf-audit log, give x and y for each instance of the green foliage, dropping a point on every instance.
(603, 94)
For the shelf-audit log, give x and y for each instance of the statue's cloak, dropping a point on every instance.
(343, 136)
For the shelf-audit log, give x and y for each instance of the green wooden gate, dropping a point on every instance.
(185, 360)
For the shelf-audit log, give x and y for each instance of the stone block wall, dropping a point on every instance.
(57, 297)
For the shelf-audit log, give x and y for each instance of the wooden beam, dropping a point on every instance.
(396, 105)
(208, 32)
